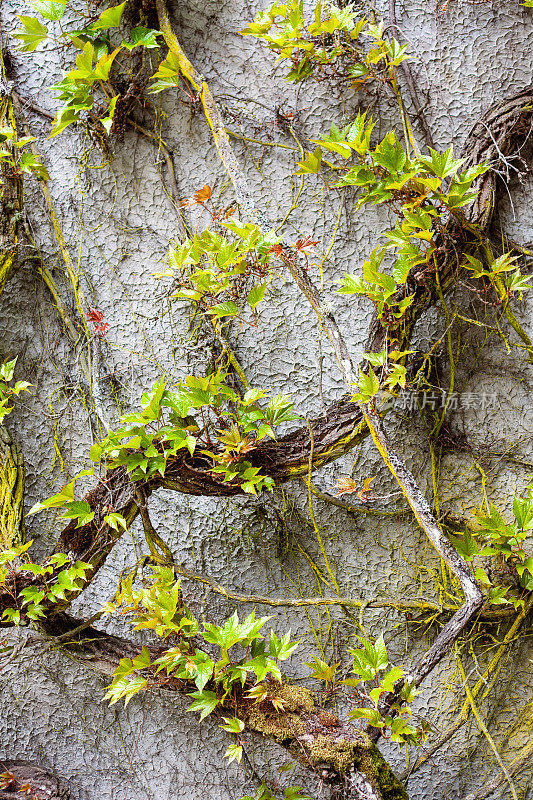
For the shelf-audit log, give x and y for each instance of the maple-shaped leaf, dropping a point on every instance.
(6, 779)
(94, 315)
(278, 703)
(199, 197)
(364, 492)
(346, 486)
(277, 250)
(302, 244)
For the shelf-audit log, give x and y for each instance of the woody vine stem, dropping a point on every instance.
(215, 436)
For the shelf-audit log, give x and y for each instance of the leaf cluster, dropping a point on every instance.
(7, 391)
(99, 47)
(372, 679)
(220, 274)
(334, 43)
(511, 542)
(239, 656)
(54, 581)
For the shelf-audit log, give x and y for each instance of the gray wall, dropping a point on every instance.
(118, 221)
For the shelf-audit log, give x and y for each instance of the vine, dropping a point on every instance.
(208, 435)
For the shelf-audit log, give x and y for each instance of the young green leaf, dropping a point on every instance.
(53, 11)
(232, 725)
(31, 34)
(205, 702)
(256, 295)
(110, 18)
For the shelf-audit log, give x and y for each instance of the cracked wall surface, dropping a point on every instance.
(118, 222)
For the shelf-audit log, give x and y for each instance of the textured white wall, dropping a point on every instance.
(118, 221)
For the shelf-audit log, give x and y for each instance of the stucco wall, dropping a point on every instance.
(118, 222)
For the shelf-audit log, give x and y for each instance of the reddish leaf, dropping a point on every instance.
(6, 779)
(302, 244)
(93, 315)
(201, 196)
(277, 250)
(96, 316)
(346, 486)
(363, 495)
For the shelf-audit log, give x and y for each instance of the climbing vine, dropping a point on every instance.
(214, 434)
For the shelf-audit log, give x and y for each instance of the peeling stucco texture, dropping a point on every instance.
(118, 220)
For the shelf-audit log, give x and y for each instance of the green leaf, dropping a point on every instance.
(279, 409)
(234, 753)
(110, 18)
(372, 716)
(368, 387)
(107, 121)
(380, 651)
(523, 511)
(481, 575)
(516, 282)
(226, 309)
(66, 495)
(256, 295)
(33, 165)
(126, 688)
(31, 34)
(390, 154)
(391, 677)
(58, 500)
(7, 369)
(467, 546)
(116, 521)
(80, 510)
(168, 74)
(377, 359)
(202, 669)
(142, 661)
(497, 595)
(50, 10)
(400, 730)
(322, 671)
(65, 116)
(282, 649)
(296, 793)
(352, 284)
(232, 725)
(311, 163)
(205, 702)
(143, 37)
(441, 164)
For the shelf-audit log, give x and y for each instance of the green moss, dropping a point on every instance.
(11, 491)
(342, 754)
(281, 725)
(371, 761)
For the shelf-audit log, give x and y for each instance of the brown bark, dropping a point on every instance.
(343, 757)
(32, 781)
(498, 135)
